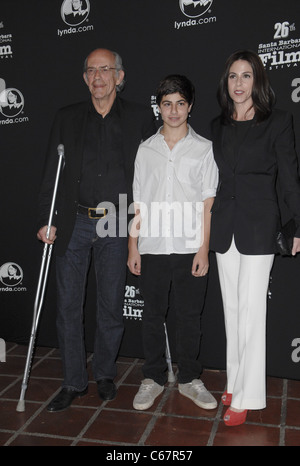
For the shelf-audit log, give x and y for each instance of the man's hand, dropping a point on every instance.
(42, 234)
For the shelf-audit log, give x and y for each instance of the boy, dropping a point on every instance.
(174, 187)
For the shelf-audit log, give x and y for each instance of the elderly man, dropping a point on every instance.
(100, 138)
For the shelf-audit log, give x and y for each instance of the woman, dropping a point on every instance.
(253, 146)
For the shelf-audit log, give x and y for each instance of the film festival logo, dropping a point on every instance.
(5, 48)
(133, 303)
(283, 50)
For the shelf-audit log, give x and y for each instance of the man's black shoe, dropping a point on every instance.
(106, 389)
(64, 399)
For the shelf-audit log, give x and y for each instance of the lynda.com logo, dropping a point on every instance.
(11, 100)
(75, 12)
(11, 274)
(194, 8)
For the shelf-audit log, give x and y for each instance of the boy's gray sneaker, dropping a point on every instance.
(197, 392)
(146, 395)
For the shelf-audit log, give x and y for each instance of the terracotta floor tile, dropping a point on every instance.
(178, 431)
(68, 423)
(293, 412)
(292, 437)
(274, 386)
(6, 381)
(37, 390)
(172, 421)
(270, 415)
(39, 441)
(4, 437)
(117, 426)
(13, 365)
(294, 389)
(122, 368)
(10, 419)
(135, 376)
(124, 398)
(246, 435)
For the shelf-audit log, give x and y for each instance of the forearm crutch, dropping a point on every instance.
(41, 287)
(171, 376)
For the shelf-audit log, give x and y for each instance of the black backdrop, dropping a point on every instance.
(41, 58)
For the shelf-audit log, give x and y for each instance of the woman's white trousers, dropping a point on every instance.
(244, 282)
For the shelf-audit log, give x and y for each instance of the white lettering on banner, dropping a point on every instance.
(280, 58)
(194, 22)
(2, 350)
(5, 50)
(72, 30)
(5, 38)
(296, 92)
(133, 303)
(281, 29)
(10, 121)
(280, 52)
(296, 352)
(130, 312)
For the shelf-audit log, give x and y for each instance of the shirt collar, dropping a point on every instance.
(189, 133)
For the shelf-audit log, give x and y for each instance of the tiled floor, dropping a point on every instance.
(172, 421)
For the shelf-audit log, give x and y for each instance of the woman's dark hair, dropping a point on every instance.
(262, 94)
(176, 83)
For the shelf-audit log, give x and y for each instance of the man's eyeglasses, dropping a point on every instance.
(105, 70)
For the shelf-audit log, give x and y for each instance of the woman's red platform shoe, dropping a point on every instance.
(226, 399)
(232, 418)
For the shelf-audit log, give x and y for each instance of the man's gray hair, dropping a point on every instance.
(118, 65)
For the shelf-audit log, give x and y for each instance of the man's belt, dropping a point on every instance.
(92, 212)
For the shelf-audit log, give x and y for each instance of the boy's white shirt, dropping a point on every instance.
(169, 189)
